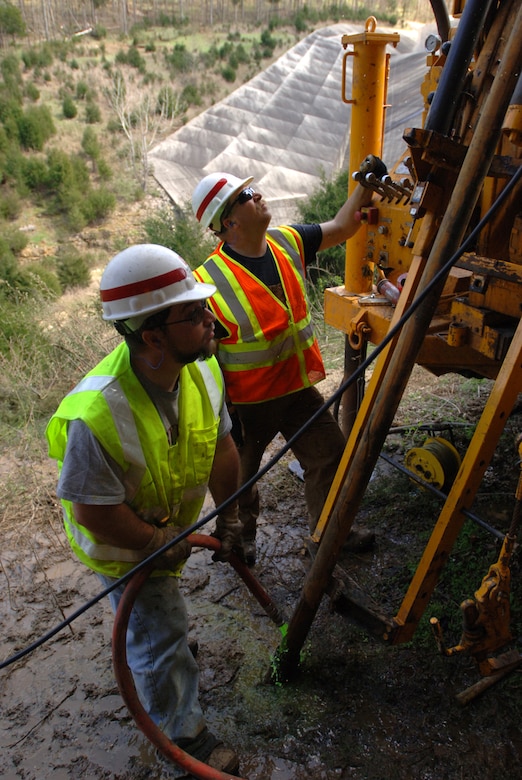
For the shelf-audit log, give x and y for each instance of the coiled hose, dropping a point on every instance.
(124, 676)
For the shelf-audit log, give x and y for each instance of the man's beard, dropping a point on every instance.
(191, 357)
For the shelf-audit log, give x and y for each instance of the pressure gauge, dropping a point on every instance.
(432, 43)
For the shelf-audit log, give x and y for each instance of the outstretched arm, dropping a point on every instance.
(346, 222)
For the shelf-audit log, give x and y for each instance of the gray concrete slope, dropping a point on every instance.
(288, 126)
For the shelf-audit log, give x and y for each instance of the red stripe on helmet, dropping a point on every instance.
(211, 194)
(144, 286)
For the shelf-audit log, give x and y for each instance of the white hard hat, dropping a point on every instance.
(213, 193)
(144, 279)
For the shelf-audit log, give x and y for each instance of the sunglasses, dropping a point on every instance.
(196, 317)
(243, 197)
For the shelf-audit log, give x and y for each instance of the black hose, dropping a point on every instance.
(453, 78)
(392, 333)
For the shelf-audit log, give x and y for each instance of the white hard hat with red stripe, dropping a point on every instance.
(144, 279)
(213, 193)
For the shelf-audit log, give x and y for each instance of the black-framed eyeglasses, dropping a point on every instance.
(196, 317)
(243, 197)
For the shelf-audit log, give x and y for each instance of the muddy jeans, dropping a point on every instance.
(164, 670)
(318, 450)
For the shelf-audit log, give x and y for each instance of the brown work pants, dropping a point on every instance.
(318, 449)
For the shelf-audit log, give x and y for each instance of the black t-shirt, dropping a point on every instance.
(265, 268)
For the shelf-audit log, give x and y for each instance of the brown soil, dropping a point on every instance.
(357, 709)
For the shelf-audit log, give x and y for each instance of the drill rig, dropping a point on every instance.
(433, 277)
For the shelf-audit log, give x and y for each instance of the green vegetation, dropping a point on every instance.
(321, 206)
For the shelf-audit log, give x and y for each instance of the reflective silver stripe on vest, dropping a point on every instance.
(214, 391)
(229, 294)
(274, 352)
(100, 551)
(125, 426)
(280, 238)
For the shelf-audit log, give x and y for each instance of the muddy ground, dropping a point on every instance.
(357, 709)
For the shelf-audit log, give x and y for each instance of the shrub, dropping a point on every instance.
(179, 230)
(321, 206)
(34, 173)
(10, 204)
(99, 32)
(73, 270)
(180, 59)
(191, 96)
(134, 58)
(82, 90)
(14, 239)
(229, 74)
(92, 113)
(35, 127)
(38, 57)
(69, 107)
(268, 43)
(43, 280)
(10, 112)
(10, 69)
(90, 144)
(104, 169)
(97, 204)
(32, 91)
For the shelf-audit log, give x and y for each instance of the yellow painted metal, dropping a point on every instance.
(368, 100)
(436, 462)
(491, 424)
(442, 231)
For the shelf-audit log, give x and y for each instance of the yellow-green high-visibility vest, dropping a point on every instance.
(113, 403)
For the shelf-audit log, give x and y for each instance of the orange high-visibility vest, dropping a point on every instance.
(270, 349)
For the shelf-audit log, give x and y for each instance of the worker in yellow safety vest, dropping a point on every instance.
(138, 442)
(266, 344)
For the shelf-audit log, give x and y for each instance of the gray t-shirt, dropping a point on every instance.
(87, 465)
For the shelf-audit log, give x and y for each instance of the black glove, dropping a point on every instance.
(373, 164)
(175, 555)
(228, 530)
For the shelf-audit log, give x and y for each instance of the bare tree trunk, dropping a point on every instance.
(124, 17)
(140, 122)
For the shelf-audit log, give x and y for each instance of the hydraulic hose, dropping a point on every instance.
(124, 676)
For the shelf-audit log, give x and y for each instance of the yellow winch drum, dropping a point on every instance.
(436, 462)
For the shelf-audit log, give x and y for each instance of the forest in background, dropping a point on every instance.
(52, 19)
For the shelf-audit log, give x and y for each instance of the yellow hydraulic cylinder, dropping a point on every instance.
(369, 90)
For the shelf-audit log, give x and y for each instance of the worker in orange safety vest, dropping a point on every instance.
(267, 349)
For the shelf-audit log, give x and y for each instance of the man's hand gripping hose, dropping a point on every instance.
(228, 531)
(123, 674)
(174, 555)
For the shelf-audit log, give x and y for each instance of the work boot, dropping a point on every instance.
(359, 540)
(224, 759)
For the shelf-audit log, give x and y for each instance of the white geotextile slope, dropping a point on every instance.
(289, 125)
